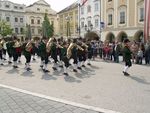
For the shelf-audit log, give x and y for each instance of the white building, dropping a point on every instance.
(35, 17)
(89, 17)
(14, 14)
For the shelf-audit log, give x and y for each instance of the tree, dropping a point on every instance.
(47, 28)
(5, 29)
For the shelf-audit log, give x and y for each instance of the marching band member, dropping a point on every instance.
(45, 49)
(19, 51)
(9, 46)
(1, 53)
(54, 54)
(72, 53)
(16, 48)
(27, 50)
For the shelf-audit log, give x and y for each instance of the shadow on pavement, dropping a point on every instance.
(13, 71)
(71, 79)
(47, 76)
(27, 74)
(141, 80)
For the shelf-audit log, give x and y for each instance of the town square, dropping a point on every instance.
(84, 56)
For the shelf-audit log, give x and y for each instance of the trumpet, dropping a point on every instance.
(85, 45)
(29, 46)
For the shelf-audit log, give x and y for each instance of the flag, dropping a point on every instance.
(83, 2)
(147, 20)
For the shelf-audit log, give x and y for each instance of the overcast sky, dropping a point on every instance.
(56, 5)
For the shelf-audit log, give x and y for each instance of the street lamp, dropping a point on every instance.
(68, 25)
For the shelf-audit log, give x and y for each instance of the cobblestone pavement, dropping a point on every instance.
(16, 102)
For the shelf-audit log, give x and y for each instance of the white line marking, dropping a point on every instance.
(60, 100)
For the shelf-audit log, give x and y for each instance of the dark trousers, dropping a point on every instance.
(66, 61)
(15, 56)
(28, 58)
(128, 63)
(1, 57)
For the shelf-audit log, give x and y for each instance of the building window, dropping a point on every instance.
(122, 17)
(141, 14)
(96, 23)
(21, 20)
(7, 6)
(96, 7)
(38, 22)
(32, 30)
(15, 7)
(21, 8)
(39, 31)
(16, 19)
(89, 9)
(82, 24)
(110, 19)
(21, 30)
(16, 30)
(32, 21)
(38, 9)
(7, 19)
(89, 23)
(82, 10)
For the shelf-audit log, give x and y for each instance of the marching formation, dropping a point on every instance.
(60, 50)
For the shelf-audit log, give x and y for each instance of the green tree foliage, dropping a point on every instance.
(5, 29)
(47, 28)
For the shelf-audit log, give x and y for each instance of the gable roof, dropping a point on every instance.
(40, 2)
(74, 5)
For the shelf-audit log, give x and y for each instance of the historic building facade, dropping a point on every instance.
(123, 19)
(13, 14)
(68, 21)
(35, 17)
(89, 16)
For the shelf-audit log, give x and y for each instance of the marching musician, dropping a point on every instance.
(9, 46)
(43, 54)
(16, 48)
(1, 53)
(27, 50)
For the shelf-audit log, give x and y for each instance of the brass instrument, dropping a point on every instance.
(1, 45)
(48, 45)
(85, 45)
(29, 46)
(69, 52)
(16, 44)
(71, 46)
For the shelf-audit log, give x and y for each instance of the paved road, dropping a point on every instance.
(101, 85)
(16, 102)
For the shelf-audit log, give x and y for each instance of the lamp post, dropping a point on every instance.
(68, 25)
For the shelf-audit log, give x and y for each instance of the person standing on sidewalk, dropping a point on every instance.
(127, 54)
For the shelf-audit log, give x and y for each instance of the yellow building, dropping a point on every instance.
(68, 21)
(123, 19)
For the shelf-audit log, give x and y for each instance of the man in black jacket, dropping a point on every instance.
(127, 54)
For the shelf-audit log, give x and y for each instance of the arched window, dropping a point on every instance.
(141, 11)
(122, 14)
(110, 14)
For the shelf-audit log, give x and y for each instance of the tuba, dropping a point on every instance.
(48, 45)
(69, 50)
(29, 46)
(16, 44)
